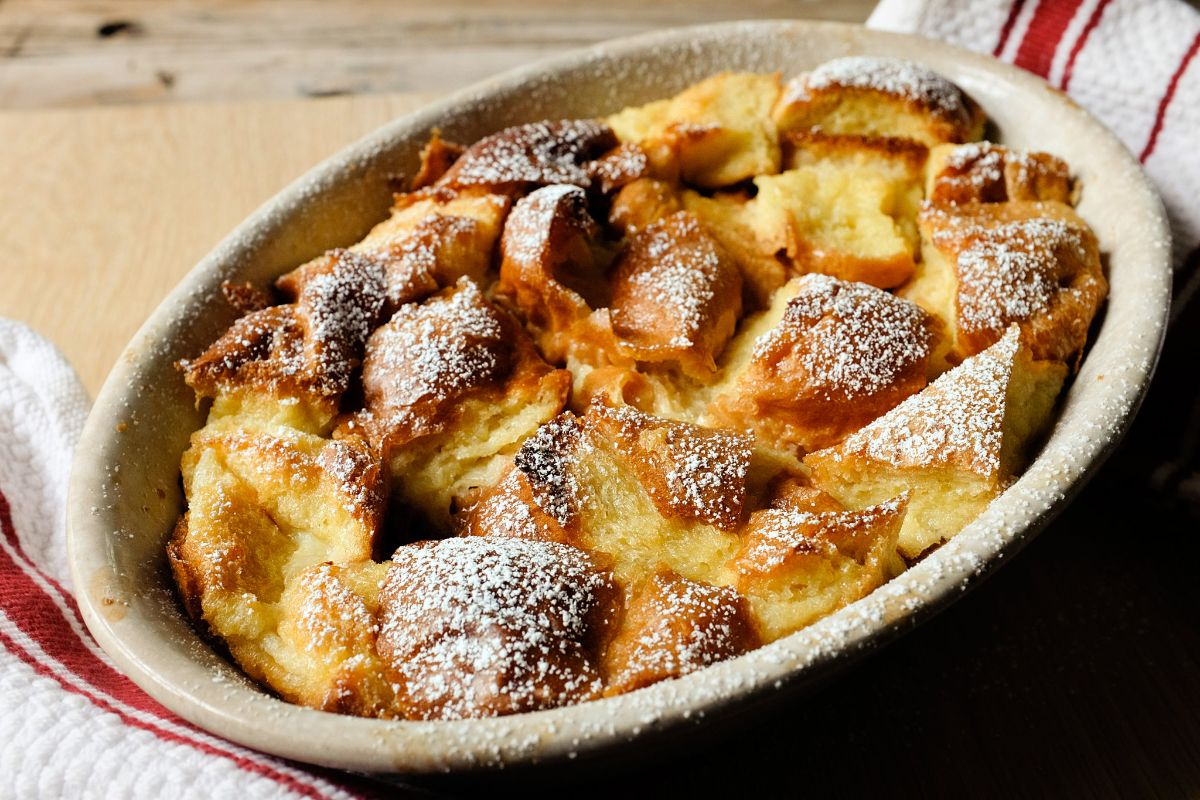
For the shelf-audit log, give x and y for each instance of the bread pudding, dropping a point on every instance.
(604, 402)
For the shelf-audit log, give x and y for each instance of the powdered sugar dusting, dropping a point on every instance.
(413, 268)
(511, 516)
(778, 534)
(479, 625)
(619, 166)
(675, 278)
(689, 470)
(265, 348)
(357, 474)
(977, 172)
(547, 459)
(855, 340)
(957, 420)
(312, 346)
(691, 625)
(342, 307)
(893, 76)
(983, 160)
(435, 351)
(331, 608)
(707, 470)
(986, 156)
(527, 236)
(1010, 273)
(540, 153)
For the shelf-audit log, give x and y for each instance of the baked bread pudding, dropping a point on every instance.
(606, 401)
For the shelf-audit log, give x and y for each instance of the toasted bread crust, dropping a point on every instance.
(601, 403)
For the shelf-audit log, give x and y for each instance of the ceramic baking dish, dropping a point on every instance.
(125, 494)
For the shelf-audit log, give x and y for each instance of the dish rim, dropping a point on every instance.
(249, 716)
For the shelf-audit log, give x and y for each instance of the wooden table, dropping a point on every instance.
(1075, 671)
(105, 209)
(81, 53)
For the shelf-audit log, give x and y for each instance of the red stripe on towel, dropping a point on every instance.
(1007, 29)
(34, 612)
(1091, 25)
(1165, 102)
(1044, 34)
(11, 646)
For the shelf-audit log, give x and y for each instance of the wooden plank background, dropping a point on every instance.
(105, 209)
(75, 53)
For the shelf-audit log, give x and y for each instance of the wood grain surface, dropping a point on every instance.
(1074, 672)
(73, 52)
(105, 209)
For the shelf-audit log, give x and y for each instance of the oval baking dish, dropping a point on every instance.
(125, 494)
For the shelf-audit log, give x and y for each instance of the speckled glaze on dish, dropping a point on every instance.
(125, 493)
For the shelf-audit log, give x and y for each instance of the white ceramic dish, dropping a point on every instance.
(125, 493)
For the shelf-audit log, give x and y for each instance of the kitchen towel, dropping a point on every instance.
(71, 725)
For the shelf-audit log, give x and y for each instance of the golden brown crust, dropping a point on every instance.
(641, 203)
(429, 357)
(619, 167)
(412, 209)
(440, 251)
(954, 445)
(1035, 264)
(842, 354)
(792, 494)
(451, 387)
(309, 348)
(809, 556)
(484, 626)
(430, 242)
(548, 269)
(676, 296)
(188, 580)
(330, 620)
(537, 154)
(884, 273)
(246, 298)
(614, 385)
(781, 539)
(263, 349)
(957, 422)
(690, 472)
(510, 509)
(982, 172)
(548, 461)
(673, 626)
(437, 157)
(880, 97)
